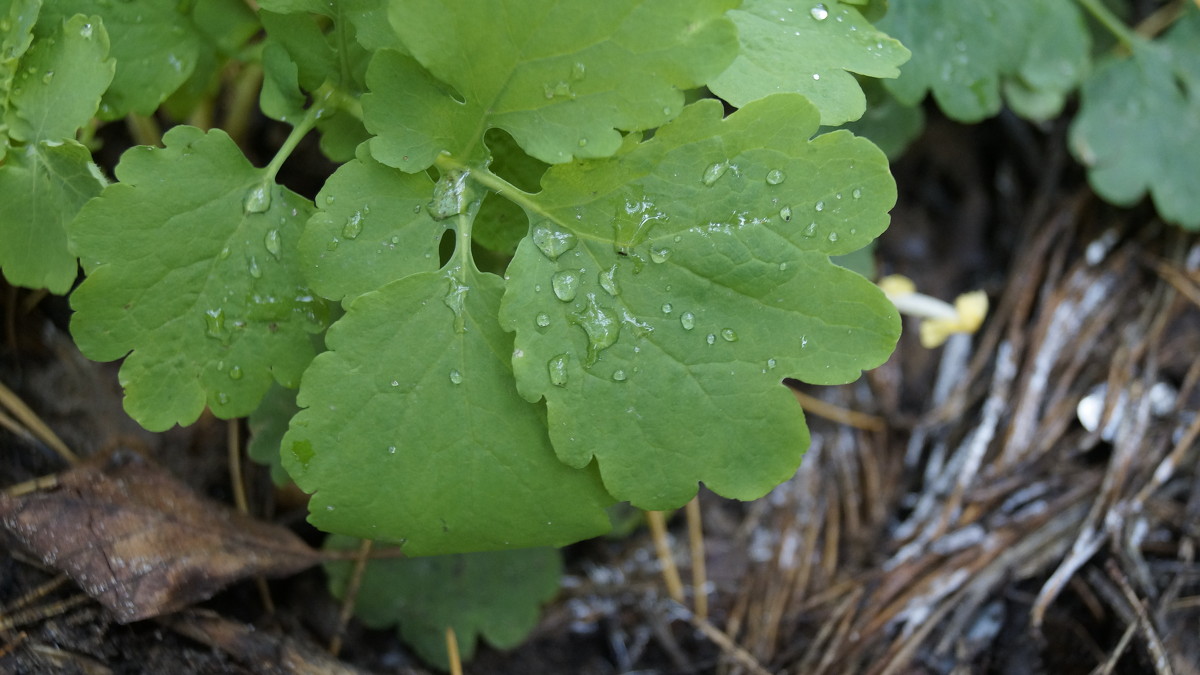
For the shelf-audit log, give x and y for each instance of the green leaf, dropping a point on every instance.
(373, 228)
(155, 47)
(267, 424)
(495, 595)
(502, 224)
(807, 50)
(1138, 128)
(17, 18)
(664, 295)
(61, 81)
(44, 185)
(561, 78)
(192, 266)
(964, 50)
(889, 124)
(414, 430)
(223, 28)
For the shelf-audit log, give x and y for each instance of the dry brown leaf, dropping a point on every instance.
(141, 542)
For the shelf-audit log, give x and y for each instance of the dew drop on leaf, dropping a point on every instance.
(86, 31)
(224, 253)
(729, 335)
(255, 270)
(771, 364)
(820, 206)
(601, 325)
(856, 194)
(258, 199)
(235, 373)
(455, 299)
(660, 255)
(710, 338)
(214, 323)
(666, 308)
(775, 177)
(353, 226)
(608, 281)
(714, 172)
(687, 320)
(811, 229)
(456, 376)
(222, 398)
(819, 12)
(48, 77)
(785, 213)
(566, 284)
(557, 368)
(273, 244)
(833, 236)
(391, 449)
(578, 71)
(552, 243)
(542, 319)
(618, 375)
(330, 199)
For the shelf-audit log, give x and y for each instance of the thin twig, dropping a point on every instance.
(233, 442)
(724, 642)
(351, 597)
(829, 411)
(696, 545)
(452, 652)
(658, 530)
(22, 412)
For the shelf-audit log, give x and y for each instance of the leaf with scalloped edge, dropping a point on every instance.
(965, 50)
(664, 294)
(493, 595)
(372, 227)
(413, 430)
(193, 273)
(810, 49)
(1138, 128)
(562, 78)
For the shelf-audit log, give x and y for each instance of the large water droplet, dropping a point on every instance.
(255, 270)
(557, 368)
(601, 325)
(456, 377)
(660, 255)
(775, 177)
(666, 308)
(214, 323)
(353, 226)
(714, 172)
(273, 244)
(552, 243)
(608, 281)
(542, 319)
(258, 199)
(819, 12)
(456, 298)
(86, 31)
(785, 213)
(618, 375)
(235, 373)
(566, 284)
(687, 320)
(449, 195)
(729, 335)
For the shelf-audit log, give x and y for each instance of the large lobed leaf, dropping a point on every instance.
(1138, 128)
(192, 266)
(557, 76)
(664, 294)
(413, 429)
(810, 49)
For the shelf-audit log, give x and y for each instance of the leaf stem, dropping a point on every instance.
(494, 183)
(321, 105)
(1114, 25)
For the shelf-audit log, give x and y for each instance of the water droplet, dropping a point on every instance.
(583, 142)
(810, 230)
(417, 208)
(273, 244)
(258, 199)
(48, 77)
(660, 255)
(856, 194)
(456, 298)
(557, 368)
(785, 213)
(601, 325)
(833, 236)
(330, 199)
(224, 253)
(255, 270)
(816, 76)
(687, 320)
(782, 266)
(710, 338)
(222, 398)
(618, 375)
(775, 177)
(551, 242)
(86, 31)
(819, 12)
(566, 284)
(820, 206)
(714, 172)
(666, 308)
(214, 323)
(391, 449)
(395, 383)
(332, 245)
(456, 377)
(353, 226)
(771, 363)
(729, 335)
(235, 373)
(542, 319)
(395, 240)
(608, 281)
(578, 71)
(449, 195)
